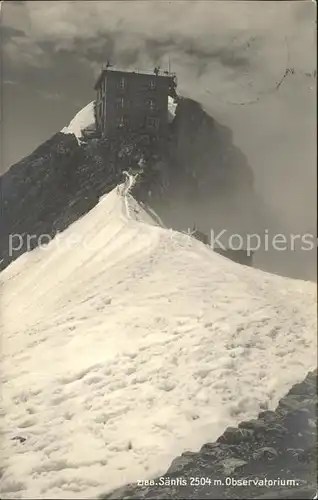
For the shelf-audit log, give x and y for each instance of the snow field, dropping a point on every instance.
(123, 344)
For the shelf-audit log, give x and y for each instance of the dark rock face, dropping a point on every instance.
(240, 256)
(244, 257)
(277, 445)
(206, 152)
(50, 189)
(62, 180)
(209, 182)
(199, 235)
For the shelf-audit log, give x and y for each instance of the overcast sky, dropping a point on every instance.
(229, 56)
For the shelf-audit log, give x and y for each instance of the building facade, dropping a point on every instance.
(133, 102)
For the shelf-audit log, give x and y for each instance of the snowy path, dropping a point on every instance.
(124, 344)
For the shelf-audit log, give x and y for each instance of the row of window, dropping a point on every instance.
(100, 108)
(123, 121)
(121, 103)
(151, 122)
(122, 85)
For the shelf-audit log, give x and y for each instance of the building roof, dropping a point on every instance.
(114, 69)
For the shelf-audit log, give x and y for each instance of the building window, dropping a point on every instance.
(120, 102)
(122, 121)
(152, 104)
(152, 83)
(152, 123)
(122, 83)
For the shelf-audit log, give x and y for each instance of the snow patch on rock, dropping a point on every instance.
(82, 120)
(172, 106)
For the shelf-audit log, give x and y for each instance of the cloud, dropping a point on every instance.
(222, 44)
(9, 82)
(8, 32)
(228, 49)
(51, 96)
(18, 45)
(23, 51)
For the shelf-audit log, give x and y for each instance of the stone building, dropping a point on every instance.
(133, 102)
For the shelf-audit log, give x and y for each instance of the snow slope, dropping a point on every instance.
(83, 119)
(124, 343)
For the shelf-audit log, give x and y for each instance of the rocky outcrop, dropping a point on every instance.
(50, 189)
(278, 445)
